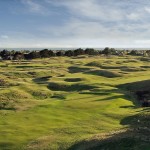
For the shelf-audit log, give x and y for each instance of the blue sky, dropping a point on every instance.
(74, 23)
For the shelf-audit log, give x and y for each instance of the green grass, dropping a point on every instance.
(58, 102)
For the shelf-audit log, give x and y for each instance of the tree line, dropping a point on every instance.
(45, 53)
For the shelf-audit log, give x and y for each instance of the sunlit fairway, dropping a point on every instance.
(57, 102)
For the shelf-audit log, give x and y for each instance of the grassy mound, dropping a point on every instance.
(3, 82)
(7, 104)
(94, 64)
(10, 98)
(14, 94)
(104, 66)
(41, 94)
(17, 74)
(57, 86)
(39, 74)
(105, 73)
(26, 74)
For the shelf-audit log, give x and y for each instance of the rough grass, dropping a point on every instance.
(61, 103)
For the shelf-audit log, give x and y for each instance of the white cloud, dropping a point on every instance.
(108, 10)
(133, 16)
(34, 6)
(147, 9)
(91, 9)
(110, 20)
(142, 42)
(94, 23)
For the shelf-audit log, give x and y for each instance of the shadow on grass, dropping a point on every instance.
(65, 87)
(112, 141)
(122, 94)
(42, 79)
(104, 73)
(139, 120)
(132, 69)
(75, 69)
(96, 93)
(144, 109)
(147, 67)
(73, 79)
(140, 91)
(59, 96)
(129, 106)
(135, 86)
(8, 109)
(135, 137)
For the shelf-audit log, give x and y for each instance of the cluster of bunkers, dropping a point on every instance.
(46, 53)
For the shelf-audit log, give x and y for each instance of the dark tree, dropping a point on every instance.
(51, 53)
(18, 56)
(107, 51)
(69, 53)
(32, 55)
(90, 51)
(79, 51)
(5, 54)
(44, 53)
(133, 52)
(59, 53)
